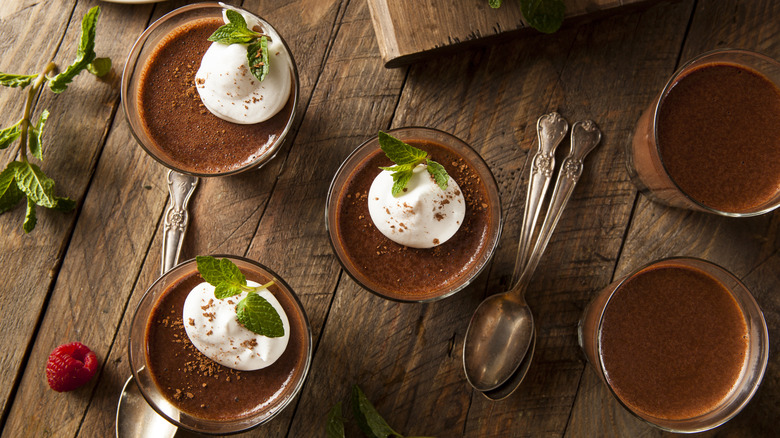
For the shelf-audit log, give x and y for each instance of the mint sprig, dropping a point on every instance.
(406, 158)
(543, 15)
(253, 311)
(237, 32)
(22, 178)
(366, 416)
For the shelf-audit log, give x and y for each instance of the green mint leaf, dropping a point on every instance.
(367, 417)
(10, 195)
(231, 34)
(12, 80)
(36, 132)
(399, 152)
(84, 56)
(494, 3)
(235, 31)
(100, 66)
(399, 168)
(9, 135)
(257, 58)
(400, 180)
(543, 15)
(64, 204)
(235, 17)
(29, 217)
(258, 315)
(31, 180)
(223, 274)
(438, 173)
(334, 428)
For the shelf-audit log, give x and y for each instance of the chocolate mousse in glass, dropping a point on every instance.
(402, 273)
(193, 391)
(711, 140)
(161, 99)
(680, 343)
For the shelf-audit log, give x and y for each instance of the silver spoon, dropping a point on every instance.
(134, 417)
(502, 328)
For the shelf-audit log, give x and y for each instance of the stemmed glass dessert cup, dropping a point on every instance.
(142, 50)
(137, 348)
(590, 329)
(645, 162)
(369, 149)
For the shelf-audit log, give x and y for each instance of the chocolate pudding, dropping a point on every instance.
(413, 274)
(673, 342)
(183, 133)
(202, 388)
(719, 136)
(713, 141)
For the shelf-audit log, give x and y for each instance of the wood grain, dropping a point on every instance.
(79, 275)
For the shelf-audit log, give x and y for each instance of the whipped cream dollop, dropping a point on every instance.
(231, 92)
(423, 216)
(213, 329)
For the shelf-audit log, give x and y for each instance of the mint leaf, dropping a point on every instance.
(406, 157)
(438, 173)
(31, 180)
(334, 428)
(399, 152)
(494, 3)
(12, 80)
(10, 195)
(223, 274)
(257, 58)
(367, 417)
(235, 32)
(29, 217)
(34, 142)
(543, 15)
(400, 180)
(84, 56)
(235, 18)
(258, 315)
(100, 66)
(9, 135)
(64, 204)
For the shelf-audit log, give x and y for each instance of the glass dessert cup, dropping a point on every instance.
(356, 163)
(140, 54)
(754, 361)
(138, 353)
(645, 163)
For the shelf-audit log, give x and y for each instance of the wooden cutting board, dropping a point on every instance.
(409, 30)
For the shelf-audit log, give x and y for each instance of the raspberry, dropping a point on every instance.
(70, 366)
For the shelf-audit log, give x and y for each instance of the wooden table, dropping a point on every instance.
(78, 276)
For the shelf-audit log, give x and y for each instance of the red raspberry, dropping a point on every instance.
(70, 366)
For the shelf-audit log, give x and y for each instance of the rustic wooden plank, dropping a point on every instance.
(225, 212)
(746, 247)
(73, 141)
(409, 30)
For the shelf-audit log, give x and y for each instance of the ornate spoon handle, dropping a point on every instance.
(584, 138)
(550, 129)
(180, 187)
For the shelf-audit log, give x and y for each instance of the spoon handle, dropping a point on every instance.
(180, 187)
(584, 138)
(550, 129)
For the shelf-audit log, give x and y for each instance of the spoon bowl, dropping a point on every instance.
(507, 388)
(500, 334)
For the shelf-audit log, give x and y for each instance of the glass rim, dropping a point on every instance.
(741, 301)
(700, 58)
(129, 70)
(309, 352)
(490, 184)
